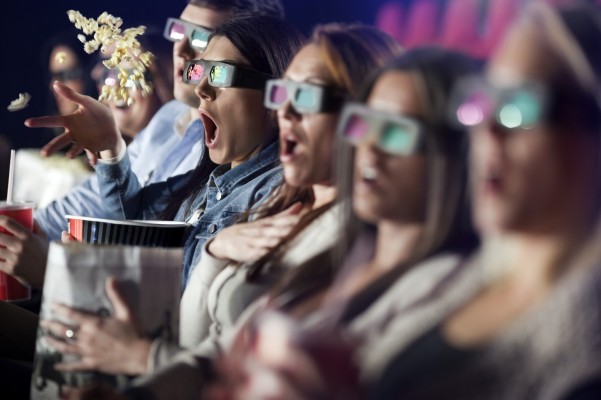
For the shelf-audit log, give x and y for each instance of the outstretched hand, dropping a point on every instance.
(113, 345)
(90, 127)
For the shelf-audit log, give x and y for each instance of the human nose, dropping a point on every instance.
(184, 49)
(288, 112)
(205, 91)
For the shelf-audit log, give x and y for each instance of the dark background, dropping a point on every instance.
(27, 24)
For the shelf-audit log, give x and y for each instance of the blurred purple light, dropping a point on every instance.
(470, 114)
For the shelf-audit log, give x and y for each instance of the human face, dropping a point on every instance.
(307, 140)
(531, 180)
(236, 123)
(391, 187)
(133, 118)
(70, 68)
(183, 50)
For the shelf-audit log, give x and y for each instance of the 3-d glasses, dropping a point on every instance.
(176, 30)
(222, 74)
(306, 98)
(110, 77)
(67, 74)
(476, 101)
(392, 133)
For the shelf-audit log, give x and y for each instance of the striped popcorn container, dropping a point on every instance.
(129, 232)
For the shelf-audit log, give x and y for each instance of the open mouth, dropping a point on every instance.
(288, 145)
(368, 173)
(493, 179)
(211, 129)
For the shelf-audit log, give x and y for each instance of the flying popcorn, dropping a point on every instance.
(100, 34)
(60, 57)
(19, 103)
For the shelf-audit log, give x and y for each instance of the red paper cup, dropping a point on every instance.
(10, 288)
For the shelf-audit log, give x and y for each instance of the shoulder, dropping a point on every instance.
(173, 107)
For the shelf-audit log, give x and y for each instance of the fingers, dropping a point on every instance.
(66, 238)
(56, 328)
(70, 94)
(81, 365)
(278, 229)
(56, 144)
(50, 121)
(72, 314)
(13, 227)
(9, 258)
(92, 158)
(282, 220)
(63, 347)
(122, 310)
(74, 151)
(296, 208)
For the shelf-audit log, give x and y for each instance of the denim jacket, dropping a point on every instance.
(159, 150)
(228, 193)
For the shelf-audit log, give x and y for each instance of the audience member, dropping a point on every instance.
(221, 287)
(523, 319)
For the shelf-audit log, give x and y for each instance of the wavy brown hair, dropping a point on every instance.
(351, 52)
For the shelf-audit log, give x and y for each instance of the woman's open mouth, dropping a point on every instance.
(288, 145)
(211, 129)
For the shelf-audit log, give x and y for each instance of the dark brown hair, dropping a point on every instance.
(239, 7)
(268, 44)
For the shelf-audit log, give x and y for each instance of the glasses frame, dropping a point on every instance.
(70, 74)
(329, 98)
(237, 76)
(499, 97)
(377, 120)
(189, 28)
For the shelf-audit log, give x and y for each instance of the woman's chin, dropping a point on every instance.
(217, 157)
(366, 211)
(293, 177)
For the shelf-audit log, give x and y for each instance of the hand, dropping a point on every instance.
(273, 358)
(66, 238)
(23, 253)
(113, 345)
(251, 240)
(251, 379)
(91, 126)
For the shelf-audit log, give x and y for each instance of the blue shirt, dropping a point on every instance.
(157, 153)
(228, 193)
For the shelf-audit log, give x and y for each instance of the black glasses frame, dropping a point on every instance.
(237, 76)
(189, 29)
